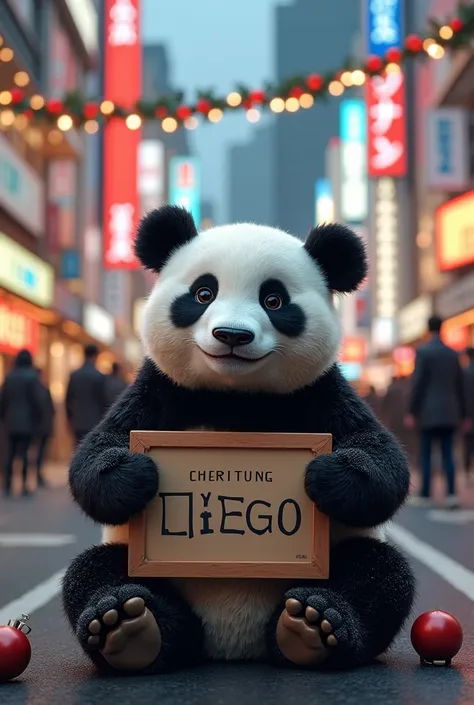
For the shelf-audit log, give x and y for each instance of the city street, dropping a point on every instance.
(39, 536)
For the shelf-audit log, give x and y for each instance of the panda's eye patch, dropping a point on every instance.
(204, 289)
(273, 302)
(273, 295)
(204, 295)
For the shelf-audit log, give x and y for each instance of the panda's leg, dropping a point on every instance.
(125, 624)
(349, 619)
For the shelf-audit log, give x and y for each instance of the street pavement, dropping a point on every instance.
(40, 535)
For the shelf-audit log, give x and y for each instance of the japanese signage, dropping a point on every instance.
(413, 319)
(386, 125)
(21, 189)
(25, 274)
(227, 506)
(454, 227)
(184, 185)
(17, 331)
(384, 24)
(354, 186)
(447, 149)
(122, 85)
(99, 324)
(151, 175)
(324, 204)
(62, 189)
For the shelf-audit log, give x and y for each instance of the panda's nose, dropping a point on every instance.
(233, 336)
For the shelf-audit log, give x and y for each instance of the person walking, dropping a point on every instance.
(86, 395)
(469, 434)
(44, 428)
(20, 408)
(115, 384)
(437, 408)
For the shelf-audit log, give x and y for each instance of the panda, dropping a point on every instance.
(240, 333)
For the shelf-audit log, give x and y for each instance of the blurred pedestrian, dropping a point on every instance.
(437, 408)
(469, 434)
(20, 408)
(373, 400)
(44, 428)
(115, 384)
(86, 397)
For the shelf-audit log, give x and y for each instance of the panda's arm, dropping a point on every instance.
(366, 479)
(107, 480)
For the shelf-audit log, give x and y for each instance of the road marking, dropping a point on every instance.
(452, 572)
(448, 516)
(33, 599)
(36, 540)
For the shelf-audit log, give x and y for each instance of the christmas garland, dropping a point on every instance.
(294, 93)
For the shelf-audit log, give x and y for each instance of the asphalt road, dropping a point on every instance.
(59, 673)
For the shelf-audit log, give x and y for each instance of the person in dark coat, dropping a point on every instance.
(20, 408)
(44, 428)
(86, 395)
(469, 393)
(437, 407)
(115, 384)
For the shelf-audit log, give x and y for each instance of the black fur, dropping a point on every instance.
(290, 318)
(186, 309)
(341, 255)
(160, 232)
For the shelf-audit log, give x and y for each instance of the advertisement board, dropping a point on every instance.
(354, 183)
(25, 274)
(184, 185)
(384, 25)
(151, 175)
(454, 231)
(447, 149)
(324, 203)
(386, 136)
(17, 331)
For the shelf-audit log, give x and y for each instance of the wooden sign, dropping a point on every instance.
(230, 505)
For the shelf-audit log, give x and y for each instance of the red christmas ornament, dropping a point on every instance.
(247, 104)
(394, 55)
(256, 96)
(29, 114)
(54, 106)
(374, 64)
(17, 95)
(314, 82)
(183, 112)
(296, 92)
(161, 112)
(456, 24)
(90, 110)
(203, 106)
(414, 43)
(436, 637)
(15, 648)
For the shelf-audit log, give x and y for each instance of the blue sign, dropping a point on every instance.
(185, 185)
(323, 201)
(384, 25)
(323, 189)
(351, 370)
(447, 153)
(353, 123)
(70, 264)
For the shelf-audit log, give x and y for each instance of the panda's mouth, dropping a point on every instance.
(233, 356)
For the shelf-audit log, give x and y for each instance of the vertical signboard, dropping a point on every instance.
(121, 85)
(324, 204)
(447, 149)
(151, 178)
(354, 185)
(184, 180)
(384, 25)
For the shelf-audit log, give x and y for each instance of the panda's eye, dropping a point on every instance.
(273, 302)
(204, 295)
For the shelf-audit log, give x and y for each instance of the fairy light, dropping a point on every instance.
(7, 117)
(306, 101)
(428, 42)
(253, 115)
(336, 88)
(435, 51)
(234, 99)
(392, 68)
(277, 105)
(133, 121)
(191, 123)
(346, 78)
(107, 107)
(169, 124)
(37, 102)
(358, 77)
(65, 122)
(292, 105)
(215, 115)
(21, 122)
(5, 98)
(6, 54)
(91, 126)
(21, 79)
(445, 32)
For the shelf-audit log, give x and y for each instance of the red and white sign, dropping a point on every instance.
(17, 331)
(386, 125)
(123, 86)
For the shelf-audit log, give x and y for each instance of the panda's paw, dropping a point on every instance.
(314, 624)
(122, 628)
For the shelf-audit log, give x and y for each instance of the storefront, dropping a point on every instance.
(455, 305)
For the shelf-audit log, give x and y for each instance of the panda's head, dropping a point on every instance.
(244, 306)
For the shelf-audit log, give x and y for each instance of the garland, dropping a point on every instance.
(294, 93)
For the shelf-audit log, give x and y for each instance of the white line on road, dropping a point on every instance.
(452, 572)
(36, 540)
(447, 516)
(33, 599)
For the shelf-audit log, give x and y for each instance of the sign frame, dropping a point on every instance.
(316, 562)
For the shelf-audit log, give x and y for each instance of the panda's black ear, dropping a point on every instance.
(160, 232)
(341, 255)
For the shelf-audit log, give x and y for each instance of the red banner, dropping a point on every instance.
(386, 116)
(17, 331)
(122, 85)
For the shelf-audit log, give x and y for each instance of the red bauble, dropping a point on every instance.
(203, 106)
(54, 106)
(456, 24)
(15, 653)
(436, 636)
(374, 64)
(90, 110)
(314, 82)
(29, 114)
(394, 55)
(296, 92)
(17, 95)
(414, 43)
(256, 96)
(161, 112)
(183, 112)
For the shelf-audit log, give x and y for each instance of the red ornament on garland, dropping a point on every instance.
(394, 55)
(90, 110)
(374, 64)
(54, 106)
(29, 114)
(456, 24)
(183, 112)
(15, 648)
(436, 637)
(17, 95)
(256, 96)
(161, 112)
(203, 106)
(414, 43)
(296, 92)
(314, 82)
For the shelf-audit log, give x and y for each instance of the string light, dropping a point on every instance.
(91, 126)
(55, 137)
(5, 98)
(65, 122)
(21, 79)
(21, 122)
(253, 115)
(292, 105)
(234, 99)
(306, 100)
(107, 107)
(191, 123)
(169, 124)
(346, 78)
(6, 54)
(445, 32)
(7, 117)
(358, 77)
(428, 42)
(392, 68)
(436, 51)
(133, 121)
(37, 102)
(215, 115)
(336, 88)
(277, 105)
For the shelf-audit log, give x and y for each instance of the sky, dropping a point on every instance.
(215, 44)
